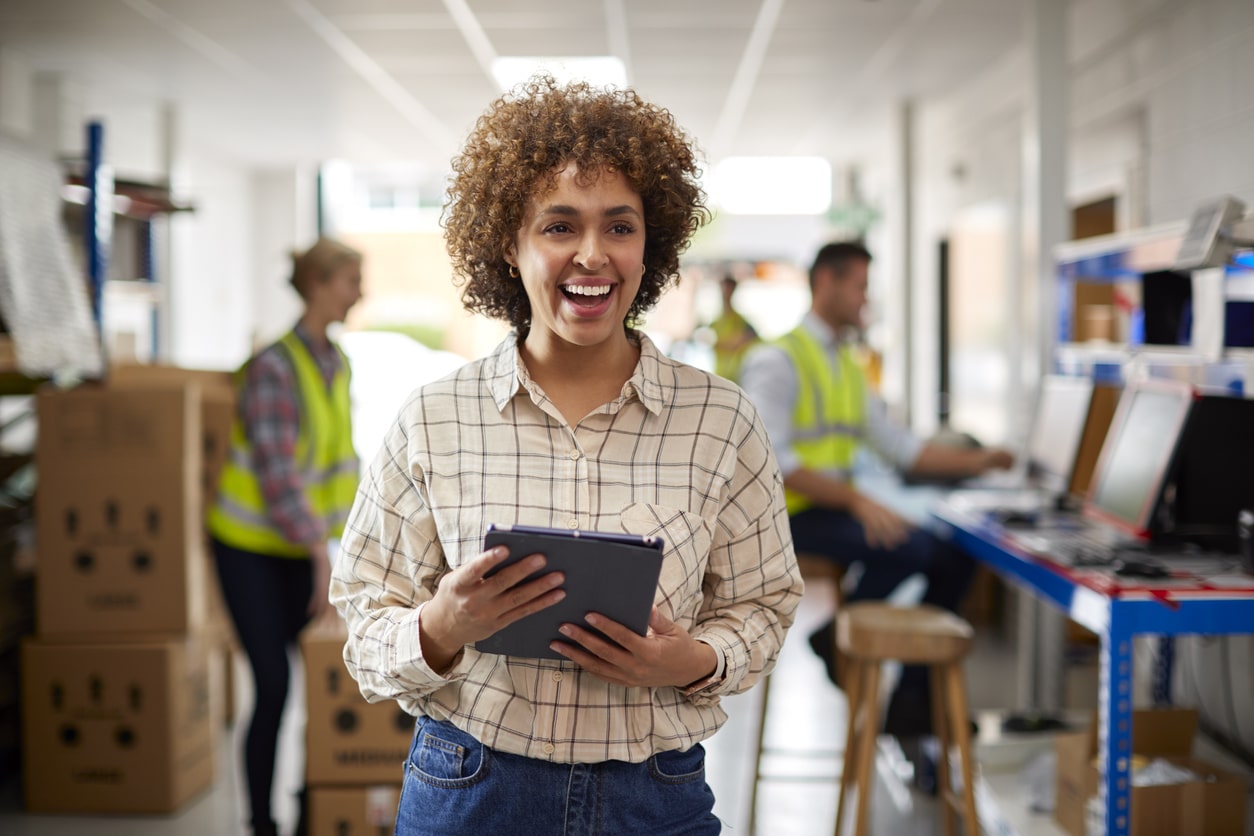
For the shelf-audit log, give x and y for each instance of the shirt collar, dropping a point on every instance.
(825, 334)
(820, 329)
(322, 350)
(507, 374)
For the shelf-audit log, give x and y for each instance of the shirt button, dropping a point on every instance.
(548, 748)
(557, 676)
(574, 454)
(572, 523)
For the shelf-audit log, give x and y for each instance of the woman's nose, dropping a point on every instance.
(591, 255)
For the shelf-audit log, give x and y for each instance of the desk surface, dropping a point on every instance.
(1193, 579)
(1203, 595)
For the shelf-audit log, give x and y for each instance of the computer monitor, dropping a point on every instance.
(1138, 454)
(1062, 406)
(1213, 478)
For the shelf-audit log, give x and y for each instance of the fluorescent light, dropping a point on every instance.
(599, 70)
(772, 185)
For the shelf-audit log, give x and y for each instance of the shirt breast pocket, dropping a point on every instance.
(687, 549)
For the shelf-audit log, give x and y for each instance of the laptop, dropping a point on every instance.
(1043, 469)
(1129, 479)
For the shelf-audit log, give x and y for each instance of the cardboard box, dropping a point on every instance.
(1214, 806)
(217, 413)
(347, 740)
(116, 728)
(353, 811)
(119, 531)
(217, 402)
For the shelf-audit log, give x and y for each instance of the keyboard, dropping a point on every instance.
(1084, 545)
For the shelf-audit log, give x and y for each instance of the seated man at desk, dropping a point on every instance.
(818, 411)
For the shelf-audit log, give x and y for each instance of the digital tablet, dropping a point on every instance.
(612, 573)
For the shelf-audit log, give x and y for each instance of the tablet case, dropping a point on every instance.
(610, 573)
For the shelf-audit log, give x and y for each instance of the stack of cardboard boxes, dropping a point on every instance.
(118, 694)
(354, 750)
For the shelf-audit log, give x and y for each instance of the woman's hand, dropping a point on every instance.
(665, 655)
(468, 606)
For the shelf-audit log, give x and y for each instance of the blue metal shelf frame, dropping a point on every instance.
(1116, 620)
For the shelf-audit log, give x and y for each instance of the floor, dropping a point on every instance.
(805, 727)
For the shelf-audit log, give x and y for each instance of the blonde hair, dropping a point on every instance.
(319, 263)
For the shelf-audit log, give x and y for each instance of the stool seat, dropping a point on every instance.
(870, 633)
(919, 635)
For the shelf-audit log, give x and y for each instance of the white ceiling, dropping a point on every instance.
(281, 82)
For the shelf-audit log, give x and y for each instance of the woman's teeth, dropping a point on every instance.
(580, 290)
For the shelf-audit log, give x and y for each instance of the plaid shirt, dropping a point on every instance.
(270, 409)
(680, 453)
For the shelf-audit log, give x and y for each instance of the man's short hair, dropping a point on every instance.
(837, 257)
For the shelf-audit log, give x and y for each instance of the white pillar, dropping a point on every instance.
(1046, 136)
(1046, 224)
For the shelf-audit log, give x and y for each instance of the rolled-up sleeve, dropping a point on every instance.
(889, 438)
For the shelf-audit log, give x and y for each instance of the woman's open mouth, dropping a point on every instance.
(588, 299)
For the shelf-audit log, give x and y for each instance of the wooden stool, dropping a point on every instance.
(873, 632)
(813, 567)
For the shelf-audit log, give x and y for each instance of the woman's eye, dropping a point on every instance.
(558, 227)
(622, 229)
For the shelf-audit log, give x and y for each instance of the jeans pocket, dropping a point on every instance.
(445, 756)
(676, 767)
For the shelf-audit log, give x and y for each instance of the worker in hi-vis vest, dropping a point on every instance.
(733, 335)
(811, 389)
(284, 492)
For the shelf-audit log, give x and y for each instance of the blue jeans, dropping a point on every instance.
(455, 784)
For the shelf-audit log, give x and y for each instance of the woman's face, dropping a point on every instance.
(335, 296)
(580, 253)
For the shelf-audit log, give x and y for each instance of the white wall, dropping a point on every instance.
(213, 270)
(284, 217)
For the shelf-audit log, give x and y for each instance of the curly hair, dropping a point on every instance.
(515, 152)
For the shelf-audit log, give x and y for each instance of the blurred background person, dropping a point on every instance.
(811, 389)
(733, 335)
(284, 492)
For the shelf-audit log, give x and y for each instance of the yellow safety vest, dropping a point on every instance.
(829, 414)
(728, 328)
(324, 456)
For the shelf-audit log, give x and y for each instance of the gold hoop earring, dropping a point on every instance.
(513, 271)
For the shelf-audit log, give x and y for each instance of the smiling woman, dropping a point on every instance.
(517, 152)
(568, 211)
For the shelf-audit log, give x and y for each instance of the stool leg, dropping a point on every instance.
(757, 767)
(940, 726)
(853, 687)
(957, 698)
(868, 692)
